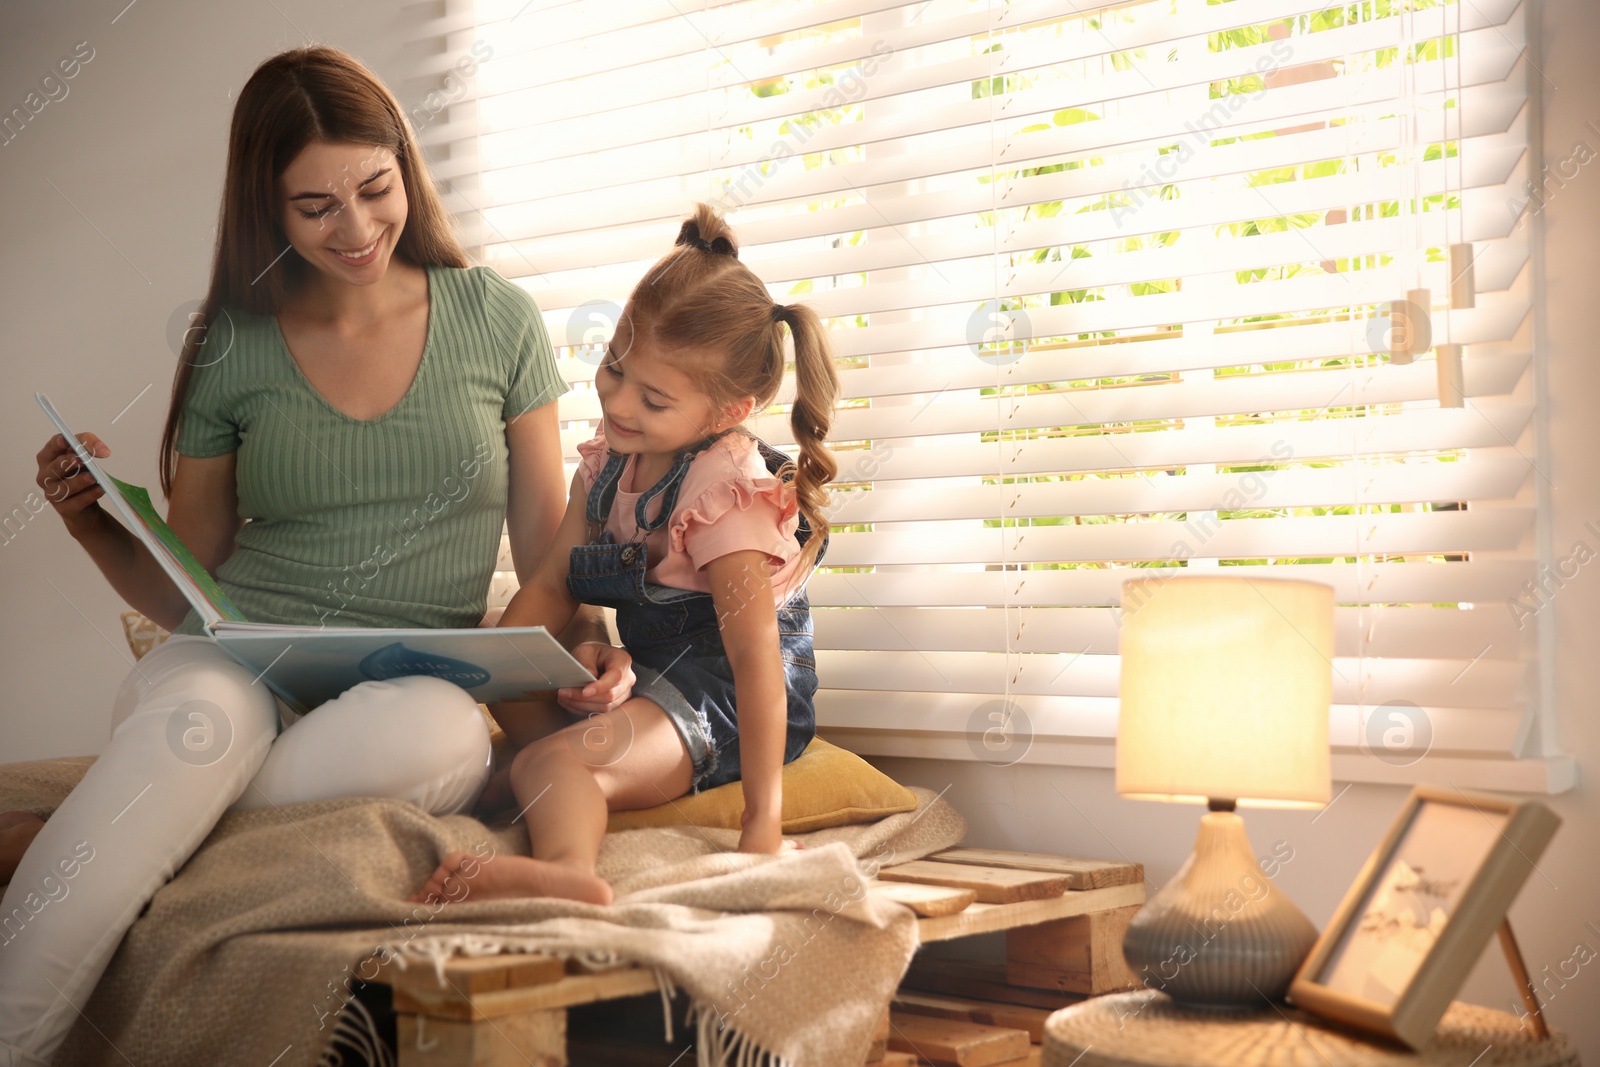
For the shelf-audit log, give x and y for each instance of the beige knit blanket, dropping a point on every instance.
(247, 954)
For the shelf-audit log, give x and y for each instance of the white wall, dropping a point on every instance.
(138, 145)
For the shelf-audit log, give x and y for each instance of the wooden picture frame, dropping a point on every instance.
(1451, 858)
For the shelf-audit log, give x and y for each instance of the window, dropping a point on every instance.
(1110, 294)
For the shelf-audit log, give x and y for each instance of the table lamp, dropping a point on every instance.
(1225, 689)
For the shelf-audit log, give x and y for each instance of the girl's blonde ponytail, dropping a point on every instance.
(816, 395)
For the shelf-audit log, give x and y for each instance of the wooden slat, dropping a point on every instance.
(495, 1004)
(979, 980)
(955, 1042)
(1078, 955)
(993, 885)
(925, 900)
(466, 976)
(536, 1037)
(954, 899)
(1014, 1016)
(880, 1040)
(1082, 874)
(983, 918)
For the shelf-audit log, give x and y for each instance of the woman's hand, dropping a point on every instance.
(69, 487)
(613, 684)
(202, 510)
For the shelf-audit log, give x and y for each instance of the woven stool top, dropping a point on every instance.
(1146, 1029)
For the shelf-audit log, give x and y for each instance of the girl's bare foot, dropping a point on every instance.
(464, 876)
(17, 831)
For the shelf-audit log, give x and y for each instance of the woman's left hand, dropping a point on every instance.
(613, 684)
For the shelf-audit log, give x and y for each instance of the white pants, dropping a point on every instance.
(190, 736)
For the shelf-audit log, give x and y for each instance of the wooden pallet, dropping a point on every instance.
(1063, 920)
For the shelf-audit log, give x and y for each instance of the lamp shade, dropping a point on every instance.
(1225, 690)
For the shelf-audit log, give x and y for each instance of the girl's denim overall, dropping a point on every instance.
(673, 636)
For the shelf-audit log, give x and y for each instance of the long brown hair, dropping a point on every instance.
(699, 300)
(297, 97)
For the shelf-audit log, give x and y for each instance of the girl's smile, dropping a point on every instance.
(615, 428)
(652, 407)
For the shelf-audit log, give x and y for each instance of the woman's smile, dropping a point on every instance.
(344, 209)
(360, 257)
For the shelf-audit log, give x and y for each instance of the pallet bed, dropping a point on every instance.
(1063, 919)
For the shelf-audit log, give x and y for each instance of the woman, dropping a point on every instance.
(348, 432)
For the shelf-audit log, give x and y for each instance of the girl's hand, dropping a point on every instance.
(71, 490)
(763, 834)
(613, 684)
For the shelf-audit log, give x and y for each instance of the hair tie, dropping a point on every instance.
(779, 312)
(717, 246)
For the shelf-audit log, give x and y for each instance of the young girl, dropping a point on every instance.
(702, 538)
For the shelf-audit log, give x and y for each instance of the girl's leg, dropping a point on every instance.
(189, 730)
(524, 723)
(566, 785)
(418, 739)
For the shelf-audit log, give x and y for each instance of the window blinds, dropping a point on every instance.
(1109, 291)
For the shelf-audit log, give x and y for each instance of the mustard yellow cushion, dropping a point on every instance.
(824, 786)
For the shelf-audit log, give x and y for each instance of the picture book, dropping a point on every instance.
(308, 665)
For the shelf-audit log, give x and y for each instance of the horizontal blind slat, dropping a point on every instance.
(1484, 477)
(1377, 681)
(965, 716)
(1389, 534)
(1416, 633)
(1493, 582)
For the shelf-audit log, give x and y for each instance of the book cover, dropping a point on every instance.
(316, 665)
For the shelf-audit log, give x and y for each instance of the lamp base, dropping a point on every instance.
(1219, 934)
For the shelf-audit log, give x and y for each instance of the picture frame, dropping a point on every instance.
(1421, 911)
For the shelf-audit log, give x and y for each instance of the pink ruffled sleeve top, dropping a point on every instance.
(729, 502)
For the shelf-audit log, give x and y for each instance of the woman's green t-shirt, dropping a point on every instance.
(392, 521)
